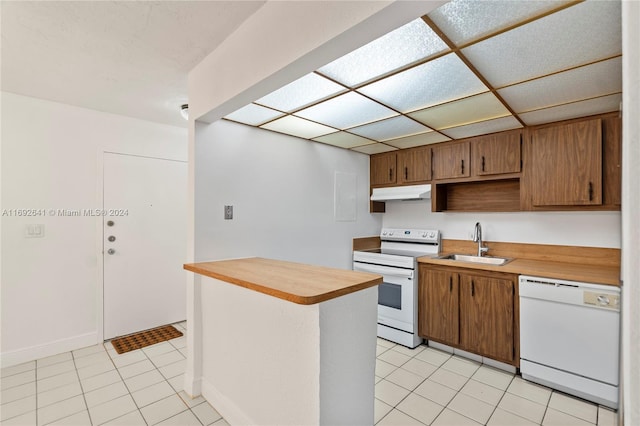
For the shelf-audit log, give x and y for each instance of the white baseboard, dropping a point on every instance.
(8, 359)
(227, 409)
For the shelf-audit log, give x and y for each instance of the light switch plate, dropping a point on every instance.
(228, 212)
(34, 230)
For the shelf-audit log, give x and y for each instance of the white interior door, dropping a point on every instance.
(144, 243)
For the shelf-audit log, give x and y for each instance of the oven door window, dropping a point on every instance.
(390, 295)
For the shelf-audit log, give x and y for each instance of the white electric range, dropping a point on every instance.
(396, 261)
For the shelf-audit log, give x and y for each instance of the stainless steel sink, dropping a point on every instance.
(487, 260)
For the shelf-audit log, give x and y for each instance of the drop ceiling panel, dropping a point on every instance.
(391, 128)
(483, 128)
(375, 148)
(467, 20)
(406, 45)
(435, 82)
(302, 92)
(580, 34)
(344, 140)
(417, 140)
(348, 110)
(465, 111)
(298, 127)
(573, 110)
(254, 115)
(601, 78)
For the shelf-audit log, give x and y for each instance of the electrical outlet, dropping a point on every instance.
(228, 212)
(34, 231)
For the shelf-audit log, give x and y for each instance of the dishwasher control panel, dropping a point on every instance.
(603, 300)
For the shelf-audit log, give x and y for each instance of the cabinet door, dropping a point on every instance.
(567, 164)
(486, 316)
(496, 154)
(414, 165)
(438, 306)
(450, 160)
(383, 168)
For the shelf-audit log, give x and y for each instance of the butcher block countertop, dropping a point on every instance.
(296, 282)
(584, 264)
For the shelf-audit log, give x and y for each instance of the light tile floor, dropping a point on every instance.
(422, 386)
(96, 386)
(426, 386)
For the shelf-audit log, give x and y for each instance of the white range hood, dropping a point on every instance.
(401, 193)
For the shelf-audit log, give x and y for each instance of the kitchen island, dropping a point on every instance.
(274, 342)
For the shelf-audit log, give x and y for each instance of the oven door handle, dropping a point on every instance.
(383, 270)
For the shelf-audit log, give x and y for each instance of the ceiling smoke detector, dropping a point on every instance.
(184, 111)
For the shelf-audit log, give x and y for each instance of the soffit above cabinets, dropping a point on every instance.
(466, 69)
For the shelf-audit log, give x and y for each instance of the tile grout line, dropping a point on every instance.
(84, 398)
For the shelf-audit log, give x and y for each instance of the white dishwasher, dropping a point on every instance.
(569, 337)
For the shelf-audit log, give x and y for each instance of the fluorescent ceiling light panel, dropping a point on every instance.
(465, 111)
(483, 128)
(417, 140)
(348, 110)
(466, 20)
(302, 92)
(406, 45)
(253, 115)
(599, 79)
(298, 127)
(435, 82)
(573, 110)
(375, 148)
(580, 34)
(391, 128)
(344, 140)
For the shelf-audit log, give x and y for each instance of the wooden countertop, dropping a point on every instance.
(597, 274)
(296, 282)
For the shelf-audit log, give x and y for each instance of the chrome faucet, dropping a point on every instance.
(477, 238)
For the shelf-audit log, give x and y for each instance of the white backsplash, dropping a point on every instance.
(592, 229)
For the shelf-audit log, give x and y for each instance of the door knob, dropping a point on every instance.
(111, 238)
(111, 251)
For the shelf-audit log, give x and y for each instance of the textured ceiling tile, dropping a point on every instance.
(298, 127)
(348, 110)
(253, 115)
(465, 111)
(344, 140)
(580, 34)
(390, 128)
(435, 82)
(602, 78)
(302, 92)
(483, 128)
(406, 45)
(467, 20)
(375, 148)
(417, 140)
(573, 110)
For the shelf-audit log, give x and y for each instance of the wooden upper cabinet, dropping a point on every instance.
(438, 305)
(414, 165)
(567, 164)
(612, 151)
(487, 316)
(451, 160)
(383, 169)
(496, 154)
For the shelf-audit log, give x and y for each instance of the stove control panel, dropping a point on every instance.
(413, 235)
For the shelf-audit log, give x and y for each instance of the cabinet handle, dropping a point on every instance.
(406, 173)
(473, 289)
(450, 284)
(390, 174)
(590, 191)
(462, 167)
(483, 163)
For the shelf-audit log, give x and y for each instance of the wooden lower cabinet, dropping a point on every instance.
(473, 311)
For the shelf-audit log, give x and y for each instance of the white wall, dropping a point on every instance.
(592, 229)
(282, 192)
(50, 157)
